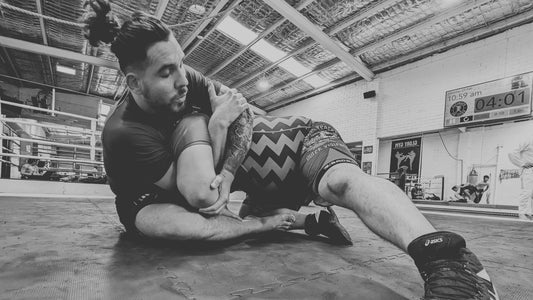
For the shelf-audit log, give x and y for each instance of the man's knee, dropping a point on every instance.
(339, 179)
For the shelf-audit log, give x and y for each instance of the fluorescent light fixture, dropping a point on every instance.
(268, 51)
(65, 70)
(294, 67)
(237, 31)
(315, 81)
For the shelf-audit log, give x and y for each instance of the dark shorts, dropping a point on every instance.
(127, 209)
(287, 159)
(323, 148)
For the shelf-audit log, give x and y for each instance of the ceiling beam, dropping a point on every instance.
(45, 40)
(312, 30)
(56, 52)
(161, 7)
(198, 41)
(204, 23)
(267, 31)
(466, 38)
(313, 92)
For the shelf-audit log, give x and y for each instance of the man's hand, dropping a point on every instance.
(222, 182)
(228, 213)
(228, 105)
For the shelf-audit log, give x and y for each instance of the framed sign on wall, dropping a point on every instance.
(497, 100)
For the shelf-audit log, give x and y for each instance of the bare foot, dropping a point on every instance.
(279, 221)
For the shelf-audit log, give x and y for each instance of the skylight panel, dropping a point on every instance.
(236, 31)
(268, 51)
(316, 81)
(294, 67)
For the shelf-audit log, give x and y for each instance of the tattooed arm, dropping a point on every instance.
(237, 140)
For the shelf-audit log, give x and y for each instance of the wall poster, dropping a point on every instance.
(405, 154)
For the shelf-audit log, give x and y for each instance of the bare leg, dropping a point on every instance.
(169, 221)
(379, 203)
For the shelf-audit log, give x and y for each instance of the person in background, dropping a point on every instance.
(456, 196)
(401, 178)
(29, 168)
(483, 190)
(469, 193)
(522, 157)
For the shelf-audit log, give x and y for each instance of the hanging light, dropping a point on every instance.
(197, 9)
(263, 84)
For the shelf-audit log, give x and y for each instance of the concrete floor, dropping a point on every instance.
(75, 249)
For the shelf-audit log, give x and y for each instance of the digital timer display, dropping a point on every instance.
(492, 101)
(503, 100)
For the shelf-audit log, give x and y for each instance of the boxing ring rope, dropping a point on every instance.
(81, 158)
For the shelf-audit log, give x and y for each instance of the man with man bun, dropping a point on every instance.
(180, 160)
(148, 158)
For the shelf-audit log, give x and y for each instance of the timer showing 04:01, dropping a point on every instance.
(503, 100)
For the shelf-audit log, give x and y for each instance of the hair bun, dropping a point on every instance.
(100, 7)
(100, 24)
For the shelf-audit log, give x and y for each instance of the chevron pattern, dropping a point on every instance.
(277, 124)
(275, 151)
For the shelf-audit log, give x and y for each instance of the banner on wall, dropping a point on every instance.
(496, 100)
(405, 154)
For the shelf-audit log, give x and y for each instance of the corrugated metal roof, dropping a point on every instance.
(376, 32)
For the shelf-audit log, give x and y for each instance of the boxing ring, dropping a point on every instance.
(75, 248)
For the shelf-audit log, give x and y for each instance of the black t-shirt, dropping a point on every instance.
(136, 144)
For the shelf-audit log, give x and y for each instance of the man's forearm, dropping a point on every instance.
(238, 143)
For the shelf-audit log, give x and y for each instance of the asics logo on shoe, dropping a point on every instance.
(433, 241)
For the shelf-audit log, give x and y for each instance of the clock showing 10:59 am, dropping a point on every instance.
(508, 99)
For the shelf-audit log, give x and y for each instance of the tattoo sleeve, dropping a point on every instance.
(238, 141)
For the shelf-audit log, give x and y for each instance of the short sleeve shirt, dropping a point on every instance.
(136, 144)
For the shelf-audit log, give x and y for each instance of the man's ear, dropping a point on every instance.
(133, 82)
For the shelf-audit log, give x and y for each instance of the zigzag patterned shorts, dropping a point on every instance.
(287, 159)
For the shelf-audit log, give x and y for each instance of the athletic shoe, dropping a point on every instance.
(449, 269)
(329, 225)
